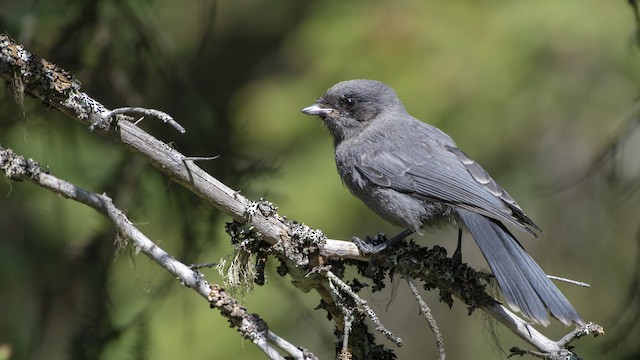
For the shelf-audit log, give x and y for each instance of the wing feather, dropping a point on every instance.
(441, 172)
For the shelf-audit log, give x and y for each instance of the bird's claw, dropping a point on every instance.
(367, 247)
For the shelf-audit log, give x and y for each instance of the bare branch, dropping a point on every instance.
(426, 312)
(569, 281)
(563, 353)
(588, 329)
(166, 118)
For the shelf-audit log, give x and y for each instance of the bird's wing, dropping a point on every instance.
(440, 172)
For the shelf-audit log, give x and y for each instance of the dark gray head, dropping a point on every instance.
(348, 107)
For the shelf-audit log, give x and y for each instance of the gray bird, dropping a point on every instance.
(412, 175)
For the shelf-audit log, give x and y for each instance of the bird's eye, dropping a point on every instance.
(349, 102)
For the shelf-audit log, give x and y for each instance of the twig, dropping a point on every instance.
(426, 312)
(296, 352)
(361, 305)
(201, 158)
(348, 322)
(549, 349)
(204, 265)
(574, 282)
(588, 329)
(537, 354)
(166, 118)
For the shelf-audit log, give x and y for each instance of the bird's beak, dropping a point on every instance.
(316, 109)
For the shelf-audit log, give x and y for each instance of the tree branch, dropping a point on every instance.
(251, 326)
(425, 311)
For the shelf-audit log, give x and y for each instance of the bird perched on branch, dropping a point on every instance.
(412, 175)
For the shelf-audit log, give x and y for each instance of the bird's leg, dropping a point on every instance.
(366, 247)
(457, 255)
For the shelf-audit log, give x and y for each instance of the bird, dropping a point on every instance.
(412, 175)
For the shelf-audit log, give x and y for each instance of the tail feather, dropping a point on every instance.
(524, 285)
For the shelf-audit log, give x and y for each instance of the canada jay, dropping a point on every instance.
(412, 175)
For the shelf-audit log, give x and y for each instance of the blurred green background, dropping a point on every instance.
(531, 90)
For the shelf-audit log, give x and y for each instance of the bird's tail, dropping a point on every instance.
(525, 286)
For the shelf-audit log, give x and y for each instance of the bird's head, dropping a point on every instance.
(349, 107)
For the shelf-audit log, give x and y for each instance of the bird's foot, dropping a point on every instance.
(371, 246)
(379, 243)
